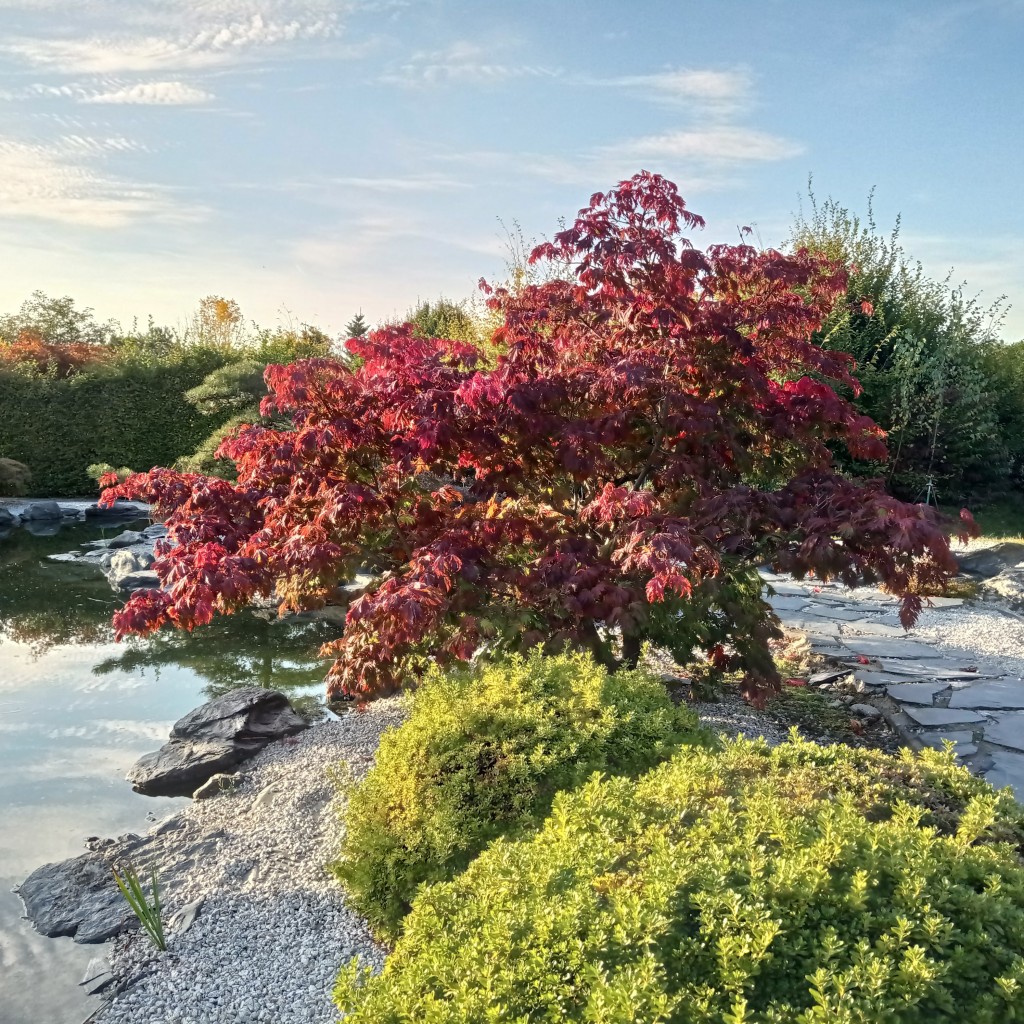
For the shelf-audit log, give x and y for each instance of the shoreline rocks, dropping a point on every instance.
(215, 738)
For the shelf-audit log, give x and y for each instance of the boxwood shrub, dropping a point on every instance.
(799, 885)
(482, 755)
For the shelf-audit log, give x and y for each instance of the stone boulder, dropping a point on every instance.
(216, 737)
(126, 539)
(7, 518)
(124, 562)
(41, 510)
(989, 562)
(144, 579)
(77, 897)
(1007, 587)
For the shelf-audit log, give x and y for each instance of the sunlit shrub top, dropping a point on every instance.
(795, 885)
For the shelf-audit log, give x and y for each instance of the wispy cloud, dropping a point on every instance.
(64, 182)
(720, 93)
(183, 37)
(462, 61)
(144, 93)
(717, 146)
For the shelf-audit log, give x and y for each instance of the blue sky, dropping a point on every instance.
(320, 157)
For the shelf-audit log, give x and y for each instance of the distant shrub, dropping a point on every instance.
(803, 884)
(14, 478)
(482, 755)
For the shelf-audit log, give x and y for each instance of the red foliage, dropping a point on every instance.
(656, 427)
(59, 358)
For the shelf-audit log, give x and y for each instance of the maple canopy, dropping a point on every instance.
(657, 426)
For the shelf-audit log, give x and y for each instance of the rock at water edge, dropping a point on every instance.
(215, 737)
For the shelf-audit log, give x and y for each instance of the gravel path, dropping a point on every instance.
(273, 928)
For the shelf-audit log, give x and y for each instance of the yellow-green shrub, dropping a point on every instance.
(800, 885)
(482, 755)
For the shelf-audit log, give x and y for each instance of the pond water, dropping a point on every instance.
(76, 710)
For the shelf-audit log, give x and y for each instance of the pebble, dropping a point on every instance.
(273, 928)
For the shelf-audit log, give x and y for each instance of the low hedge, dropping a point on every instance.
(125, 414)
(482, 755)
(800, 885)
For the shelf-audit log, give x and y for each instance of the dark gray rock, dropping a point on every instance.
(7, 518)
(77, 897)
(215, 738)
(144, 580)
(866, 711)
(989, 562)
(962, 740)
(125, 539)
(1007, 730)
(42, 510)
(118, 510)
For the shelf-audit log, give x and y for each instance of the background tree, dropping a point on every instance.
(922, 353)
(357, 327)
(56, 322)
(656, 428)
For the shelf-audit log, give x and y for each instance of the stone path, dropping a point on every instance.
(930, 694)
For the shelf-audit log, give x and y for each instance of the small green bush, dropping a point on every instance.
(800, 885)
(482, 755)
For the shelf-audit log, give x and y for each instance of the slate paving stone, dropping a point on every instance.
(931, 717)
(790, 590)
(872, 627)
(828, 611)
(872, 647)
(915, 693)
(962, 740)
(876, 679)
(1007, 730)
(943, 602)
(810, 624)
(933, 671)
(997, 693)
(787, 604)
(1007, 770)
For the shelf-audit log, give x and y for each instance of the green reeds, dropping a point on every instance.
(147, 913)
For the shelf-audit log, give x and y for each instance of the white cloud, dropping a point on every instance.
(231, 32)
(61, 182)
(151, 94)
(462, 61)
(724, 92)
(717, 146)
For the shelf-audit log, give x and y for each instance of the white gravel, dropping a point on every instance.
(274, 928)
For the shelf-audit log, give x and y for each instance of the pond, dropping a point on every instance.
(76, 710)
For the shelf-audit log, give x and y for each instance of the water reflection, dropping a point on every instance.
(76, 710)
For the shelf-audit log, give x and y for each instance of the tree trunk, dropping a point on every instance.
(631, 649)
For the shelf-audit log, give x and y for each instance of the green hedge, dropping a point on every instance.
(800, 885)
(128, 414)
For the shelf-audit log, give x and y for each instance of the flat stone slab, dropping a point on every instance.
(996, 693)
(1007, 730)
(933, 671)
(870, 647)
(790, 589)
(931, 717)
(871, 627)
(836, 612)
(915, 693)
(809, 624)
(876, 679)
(943, 602)
(962, 740)
(787, 604)
(1007, 770)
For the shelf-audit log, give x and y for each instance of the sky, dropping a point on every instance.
(315, 158)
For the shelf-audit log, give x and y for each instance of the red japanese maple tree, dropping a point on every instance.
(658, 425)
